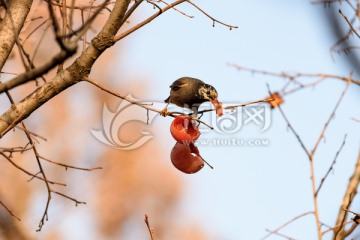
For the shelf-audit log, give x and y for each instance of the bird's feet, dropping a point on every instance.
(164, 112)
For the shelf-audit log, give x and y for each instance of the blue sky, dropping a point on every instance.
(254, 188)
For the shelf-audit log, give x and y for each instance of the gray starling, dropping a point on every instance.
(187, 92)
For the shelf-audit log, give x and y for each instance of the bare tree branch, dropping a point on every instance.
(349, 23)
(9, 211)
(287, 223)
(34, 73)
(11, 25)
(335, 227)
(148, 20)
(280, 235)
(331, 117)
(339, 232)
(151, 231)
(29, 173)
(296, 75)
(172, 114)
(331, 166)
(66, 166)
(209, 16)
(71, 75)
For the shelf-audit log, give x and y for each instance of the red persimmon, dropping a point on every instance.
(183, 159)
(184, 130)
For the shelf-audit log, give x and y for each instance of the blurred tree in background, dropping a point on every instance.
(46, 47)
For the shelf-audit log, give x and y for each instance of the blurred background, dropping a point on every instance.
(251, 188)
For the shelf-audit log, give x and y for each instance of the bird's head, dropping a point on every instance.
(208, 92)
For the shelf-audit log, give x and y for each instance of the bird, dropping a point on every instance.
(188, 92)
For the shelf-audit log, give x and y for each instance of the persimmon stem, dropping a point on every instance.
(206, 162)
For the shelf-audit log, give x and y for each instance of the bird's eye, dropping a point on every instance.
(175, 88)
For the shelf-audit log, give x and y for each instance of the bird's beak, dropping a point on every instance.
(218, 107)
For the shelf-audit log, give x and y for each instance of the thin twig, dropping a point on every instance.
(41, 171)
(154, 4)
(237, 105)
(9, 211)
(81, 8)
(66, 196)
(93, 82)
(29, 173)
(130, 11)
(349, 23)
(312, 170)
(331, 116)
(356, 221)
(336, 226)
(347, 210)
(292, 76)
(151, 231)
(146, 21)
(32, 133)
(66, 166)
(287, 223)
(177, 10)
(16, 149)
(63, 12)
(293, 131)
(9, 73)
(40, 40)
(33, 31)
(85, 26)
(45, 215)
(209, 16)
(331, 166)
(31, 65)
(280, 235)
(302, 86)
